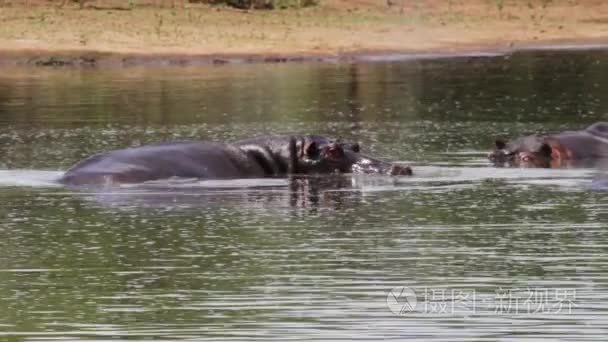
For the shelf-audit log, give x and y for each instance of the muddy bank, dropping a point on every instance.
(83, 58)
(126, 59)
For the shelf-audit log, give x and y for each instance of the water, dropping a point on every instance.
(492, 254)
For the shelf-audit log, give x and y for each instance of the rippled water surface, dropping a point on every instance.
(470, 252)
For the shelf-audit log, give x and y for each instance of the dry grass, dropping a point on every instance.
(334, 27)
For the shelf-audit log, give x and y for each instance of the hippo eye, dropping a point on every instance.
(312, 150)
(526, 158)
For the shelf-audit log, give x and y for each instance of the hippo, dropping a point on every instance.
(273, 156)
(565, 149)
(353, 161)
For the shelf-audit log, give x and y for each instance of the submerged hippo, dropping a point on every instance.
(351, 160)
(570, 148)
(252, 158)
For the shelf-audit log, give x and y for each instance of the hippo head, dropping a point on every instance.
(322, 155)
(318, 154)
(309, 154)
(530, 151)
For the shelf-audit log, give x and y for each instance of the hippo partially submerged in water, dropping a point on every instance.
(271, 156)
(570, 148)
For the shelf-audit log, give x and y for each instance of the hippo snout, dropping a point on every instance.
(498, 157)
(399, 170)
(367, 165)
(493, 156)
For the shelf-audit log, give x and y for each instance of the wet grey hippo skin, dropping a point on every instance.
(252, 158)
(566, 149)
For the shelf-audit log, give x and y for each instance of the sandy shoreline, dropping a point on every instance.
(339, 30)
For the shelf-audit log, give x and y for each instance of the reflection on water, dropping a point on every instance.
(313, 257)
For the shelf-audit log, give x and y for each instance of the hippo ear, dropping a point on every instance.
(311, 150)
(546, 150)
(356, 148)
(500, 144)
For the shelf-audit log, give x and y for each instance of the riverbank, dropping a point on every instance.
(108, 33)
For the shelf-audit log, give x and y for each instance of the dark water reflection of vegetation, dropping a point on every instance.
(305, 258)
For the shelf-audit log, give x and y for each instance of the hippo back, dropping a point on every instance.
(591, 143)
(161, 161)
(599, 129)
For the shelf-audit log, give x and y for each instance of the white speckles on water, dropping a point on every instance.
(312, 258)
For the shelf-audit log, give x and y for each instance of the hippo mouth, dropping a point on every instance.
(336, 157)
(368, 166)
